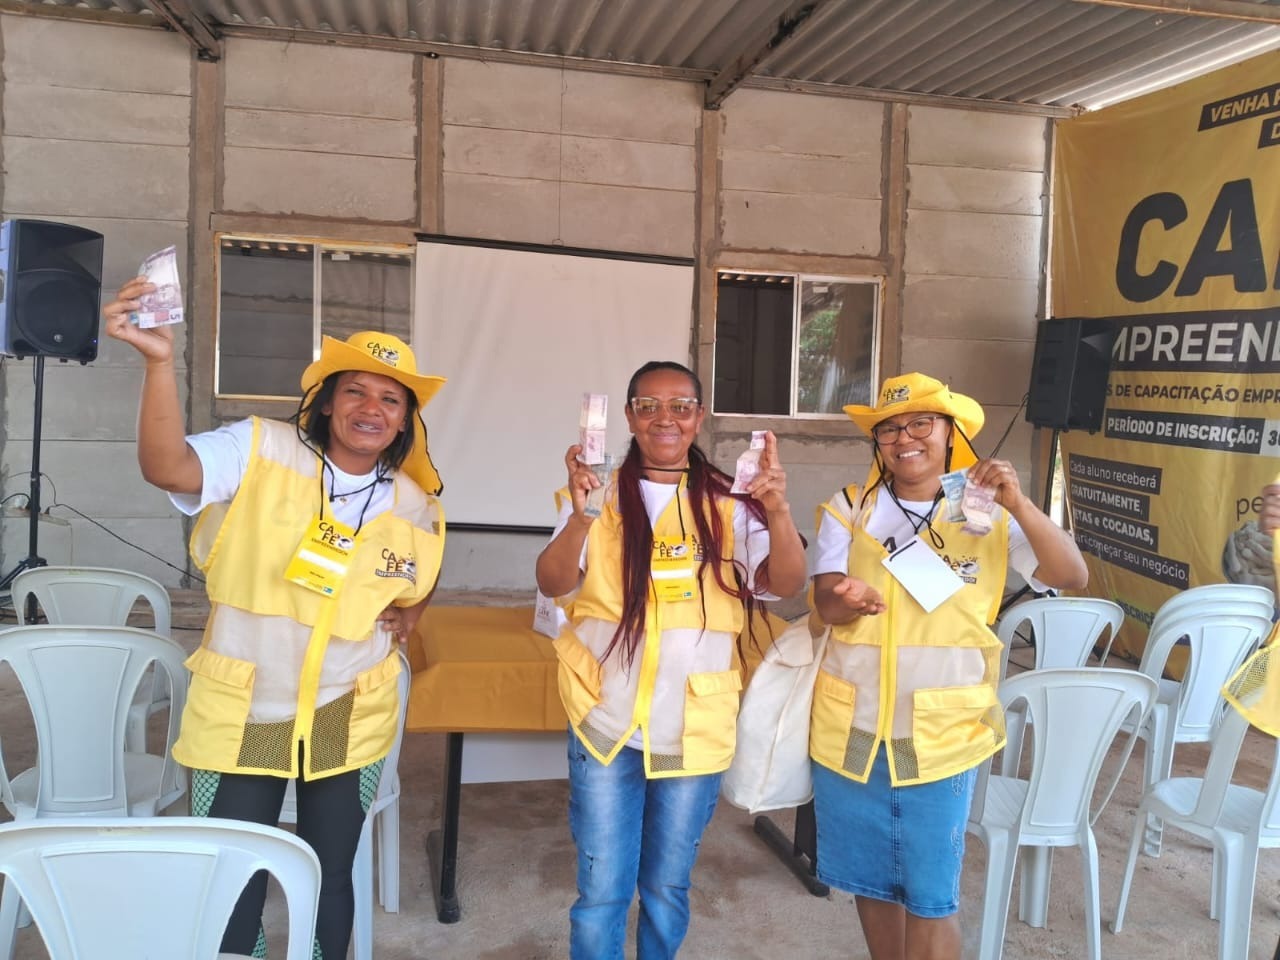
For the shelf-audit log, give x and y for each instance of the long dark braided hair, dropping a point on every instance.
(706, 487)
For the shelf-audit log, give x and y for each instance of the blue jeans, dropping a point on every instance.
(632, 832)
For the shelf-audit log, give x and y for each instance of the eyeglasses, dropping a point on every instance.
(886, 434)
(679, 408)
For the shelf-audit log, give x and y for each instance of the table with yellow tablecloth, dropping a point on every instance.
(484, 673)
(482, 668)
(481, 672)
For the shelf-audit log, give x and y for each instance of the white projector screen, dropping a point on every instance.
(522, 333)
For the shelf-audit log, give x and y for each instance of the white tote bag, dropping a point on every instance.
(770, 768)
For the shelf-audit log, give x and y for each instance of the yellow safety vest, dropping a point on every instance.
(279, 665)
(924, 683)
(606, 701)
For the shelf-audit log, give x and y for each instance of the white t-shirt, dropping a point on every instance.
(750, 536)
(224, 456)
(750, 548)
(831, 552)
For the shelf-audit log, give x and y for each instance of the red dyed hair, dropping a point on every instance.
(707, 487)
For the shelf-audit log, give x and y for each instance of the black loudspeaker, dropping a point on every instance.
(1069, 373)
(50, 290)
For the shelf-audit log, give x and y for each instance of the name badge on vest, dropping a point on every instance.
(671, 568)
(922, 573)
(321, 561)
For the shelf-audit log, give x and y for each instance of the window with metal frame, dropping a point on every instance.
(278, 295)
(794, 345)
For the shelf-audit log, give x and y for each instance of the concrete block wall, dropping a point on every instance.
(95, 133)
(974, 266)
(554, 156)
(324, 141)
(319, 131)
(801, 174)
(800, 188)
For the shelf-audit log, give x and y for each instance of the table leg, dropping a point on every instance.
(800, 853)
(442, 845)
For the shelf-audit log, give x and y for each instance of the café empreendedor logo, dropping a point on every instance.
(1264, 103)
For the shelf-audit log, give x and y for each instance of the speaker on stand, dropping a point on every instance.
(1069, 373)
(50, 294)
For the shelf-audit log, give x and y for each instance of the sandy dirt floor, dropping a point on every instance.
(516, 873)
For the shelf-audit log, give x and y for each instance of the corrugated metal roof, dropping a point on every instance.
(1049, 53)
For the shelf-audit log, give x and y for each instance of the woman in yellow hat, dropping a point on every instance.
(662, 582)
(321, 541)
(905, 706)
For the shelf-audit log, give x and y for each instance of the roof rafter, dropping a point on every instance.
(761, 47)
(185, 21)
(1218, 9)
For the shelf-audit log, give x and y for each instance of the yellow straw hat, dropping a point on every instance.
(917, 393)
(386, 354)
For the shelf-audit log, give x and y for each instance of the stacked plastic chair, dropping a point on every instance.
(1237, 821)
(79, 683)
(102, 596)
(1075, 717)
(1221, 629)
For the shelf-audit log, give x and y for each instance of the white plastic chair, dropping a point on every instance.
(1076, 714)
(103, 889)
(1236, 820)
(102, 596)
(1244, 597)
(381, 827)
(79, 683)
(1065, 630)
(1189, 711)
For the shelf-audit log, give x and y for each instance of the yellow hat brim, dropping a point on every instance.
(337, 356)
(965, 411)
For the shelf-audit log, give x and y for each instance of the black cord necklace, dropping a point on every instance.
(333, 495)
(342, 497)
(920, 520)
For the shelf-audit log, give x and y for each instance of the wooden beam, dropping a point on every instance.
(207, 119)
(761, 48)
(894, 238)
(1218, 9)
(708, 240)
(430, 77)
(911, 99)
(186, 22)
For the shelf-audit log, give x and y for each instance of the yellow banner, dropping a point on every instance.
(1167, 223)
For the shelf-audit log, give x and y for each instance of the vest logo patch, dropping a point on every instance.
(966, 568)
(332, 537)
(406, 568)
(666, 550)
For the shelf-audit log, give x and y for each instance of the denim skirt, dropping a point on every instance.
(900, 844)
